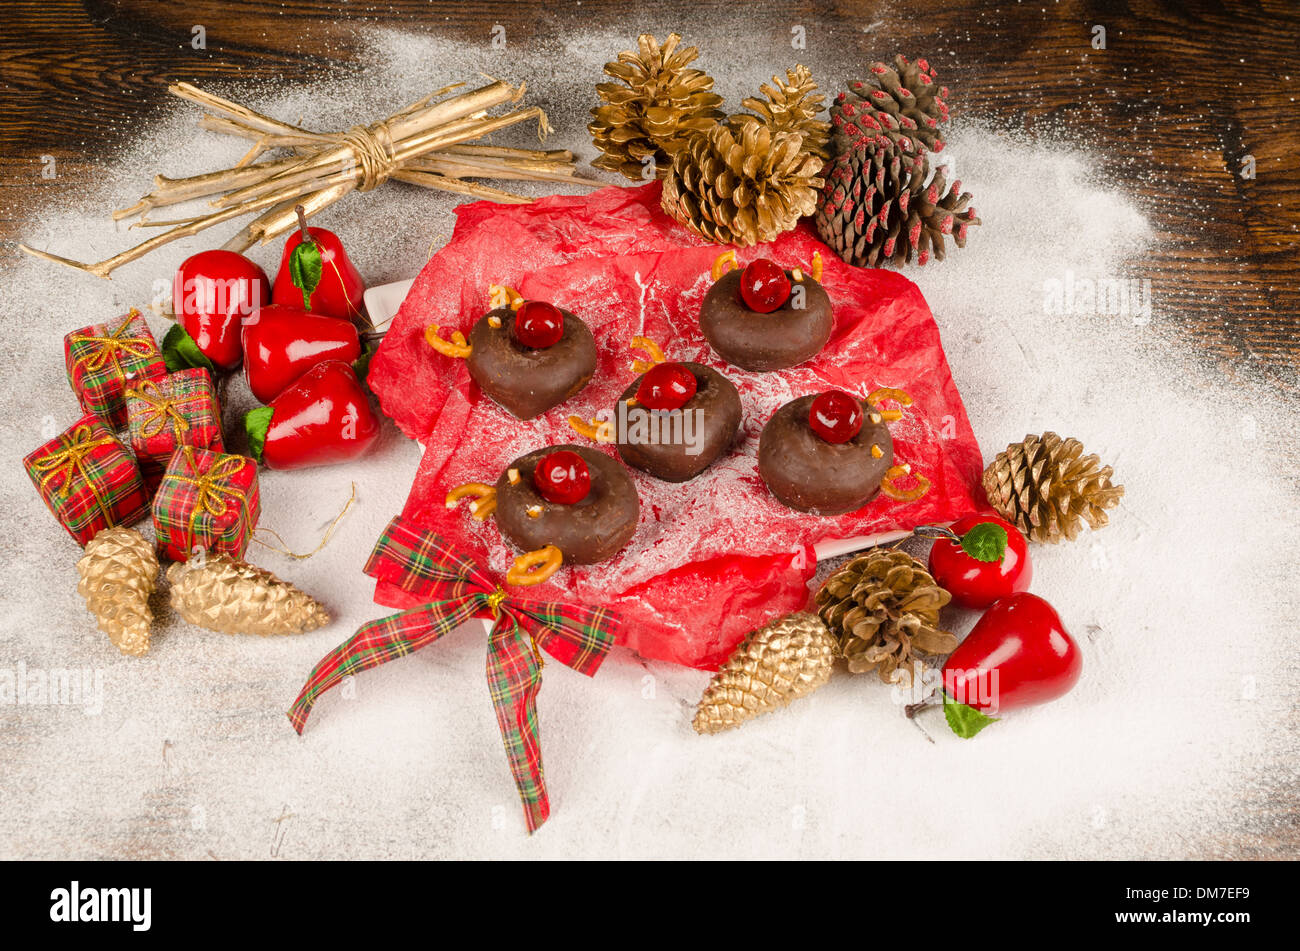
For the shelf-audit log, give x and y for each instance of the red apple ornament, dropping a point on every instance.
(982, 559)
(764, 286)
(562, 477)
(1017, 655)
(316, 274)
(282, 343)
(322, 419)
(212, 293)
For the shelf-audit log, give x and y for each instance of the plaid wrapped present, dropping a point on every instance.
(206, 501)
(104, 360)
(88, 479)
(179, 409)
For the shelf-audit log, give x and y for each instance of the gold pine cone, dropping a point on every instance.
(118, 572)
(791, 106)
(884, 608)
(779, 662)
(655, 105)
(234, 597)
(742, 183)
(1046, 487)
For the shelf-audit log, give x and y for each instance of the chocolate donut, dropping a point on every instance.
(752, 341)
(528, 382)
(809, 474)
(586, 532)
(693, 441)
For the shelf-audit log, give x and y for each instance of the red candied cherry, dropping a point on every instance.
(538, 324)
(666, 386)
(764, 286)
(835, 416)
(562, 477)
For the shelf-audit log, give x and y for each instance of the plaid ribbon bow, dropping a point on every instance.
(425, 565)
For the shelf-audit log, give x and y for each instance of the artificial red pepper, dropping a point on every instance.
(212, 293)
(322, 419)
(982, 559)
(1017, 654)
(316, 274)
(282, 343)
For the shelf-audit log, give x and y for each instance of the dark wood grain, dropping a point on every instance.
(1181, 93)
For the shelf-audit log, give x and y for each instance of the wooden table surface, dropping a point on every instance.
(1191, 90)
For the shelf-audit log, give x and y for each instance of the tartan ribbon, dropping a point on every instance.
(111, 346)
(425, 565)
(162, 407)
(213, 496)
(70, 462)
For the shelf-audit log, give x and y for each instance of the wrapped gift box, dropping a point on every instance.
(105, 360)
(88, 479)
(206, 502)
(176, 410)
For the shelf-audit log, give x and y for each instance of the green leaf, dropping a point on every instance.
(985, 542)
(256, 423)
(361, 365)
(305, 270)
(180, 352)
(963, 720)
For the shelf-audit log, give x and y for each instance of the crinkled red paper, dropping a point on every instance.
(714, 557)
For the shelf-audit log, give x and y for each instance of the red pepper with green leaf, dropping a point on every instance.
(317, 275)
(322, 419)
(282, 343)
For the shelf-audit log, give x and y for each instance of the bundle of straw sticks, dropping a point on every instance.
(427, 144)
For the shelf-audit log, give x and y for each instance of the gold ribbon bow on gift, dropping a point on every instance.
(213, 498)
(112, 345)
(161, 408)
(70, 462)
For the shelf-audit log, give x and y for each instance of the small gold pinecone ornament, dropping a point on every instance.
(234, 597)
(742, 183)
(903, 104)
(791, 106)
(654, 107)
(779, 662)
(119, 571)
(1046, 487)
(878, 208)
(884, 608)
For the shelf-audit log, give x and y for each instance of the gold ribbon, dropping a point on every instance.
(213, 497)
(494, 600)
(70, 462)
(110, 346)
(161, 407)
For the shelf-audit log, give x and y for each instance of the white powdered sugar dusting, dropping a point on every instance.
(1172, 744)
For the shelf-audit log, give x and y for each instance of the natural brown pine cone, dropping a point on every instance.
(1047, 488)
(884, 608)
(742, 185)
(775, 664)
(654, 107)
(118, 572)
(234, 597)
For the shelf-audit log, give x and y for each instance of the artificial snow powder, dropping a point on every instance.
(1184, 606)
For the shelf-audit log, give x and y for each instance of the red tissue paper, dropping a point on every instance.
(712, 558)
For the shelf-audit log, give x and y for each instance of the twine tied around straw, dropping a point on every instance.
(428, 143)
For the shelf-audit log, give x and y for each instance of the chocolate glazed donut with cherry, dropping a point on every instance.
(825, 454)
(766, 318)
(676, 419)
